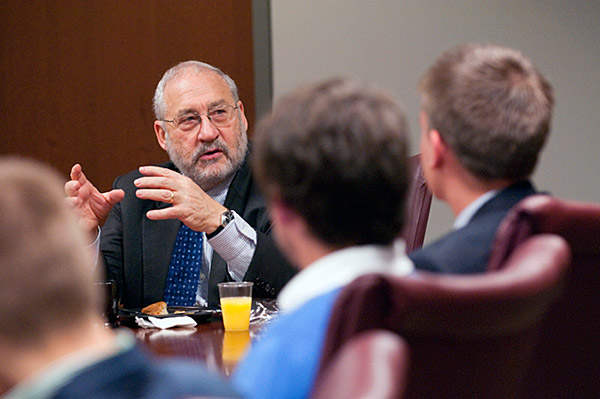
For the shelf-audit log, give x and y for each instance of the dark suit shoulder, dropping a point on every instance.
(138, 375)
(467, 250)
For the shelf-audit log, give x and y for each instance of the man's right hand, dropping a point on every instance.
(92, 206)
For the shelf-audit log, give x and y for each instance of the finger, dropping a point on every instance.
(156, 171)
(167, 196)
(73, 201)
(75, 171)
(155, 182)
(77, 174)
(114, 196)
(163, 214)
(72, 188)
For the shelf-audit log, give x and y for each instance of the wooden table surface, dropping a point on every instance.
(208, 342)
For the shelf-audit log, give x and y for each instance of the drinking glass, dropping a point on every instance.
(236, 302)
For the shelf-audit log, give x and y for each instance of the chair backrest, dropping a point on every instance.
(373, 364)
(469, 336)
(566, 362)
(418, 206)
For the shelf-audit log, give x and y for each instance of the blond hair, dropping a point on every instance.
(46, 271)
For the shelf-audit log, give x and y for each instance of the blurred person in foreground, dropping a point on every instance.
(332, 161)
(486, 114)
(174, 231)
(53, 343)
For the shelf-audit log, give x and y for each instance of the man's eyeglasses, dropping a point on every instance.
(220, 117)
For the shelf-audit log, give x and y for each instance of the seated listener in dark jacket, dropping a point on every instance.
(175, 230)
(53, 343)
(486, 113)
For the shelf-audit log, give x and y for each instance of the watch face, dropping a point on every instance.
(226, 217)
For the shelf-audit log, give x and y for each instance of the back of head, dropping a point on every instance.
(336, 153)
(46, 278)
(491, 106)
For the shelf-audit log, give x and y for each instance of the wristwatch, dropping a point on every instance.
(226, 218)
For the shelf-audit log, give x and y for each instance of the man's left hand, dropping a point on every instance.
(191, 204)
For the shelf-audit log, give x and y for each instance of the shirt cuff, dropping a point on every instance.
(95, 246)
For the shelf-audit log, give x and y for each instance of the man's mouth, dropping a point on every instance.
(211, 154)
(208, 154)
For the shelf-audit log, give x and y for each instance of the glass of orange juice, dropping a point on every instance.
(236, 302)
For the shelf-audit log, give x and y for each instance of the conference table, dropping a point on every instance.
(208, 342)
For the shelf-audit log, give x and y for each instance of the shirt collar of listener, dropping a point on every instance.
(47, 382)
(340, 268)
(467, 214)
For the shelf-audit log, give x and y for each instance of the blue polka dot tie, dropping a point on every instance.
(184, 270)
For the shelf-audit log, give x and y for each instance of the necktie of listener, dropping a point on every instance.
(184, 270)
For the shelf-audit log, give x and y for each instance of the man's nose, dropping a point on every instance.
(208, 131)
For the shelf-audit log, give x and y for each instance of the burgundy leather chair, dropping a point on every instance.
(469, 336)
(566, 362)
(373, 364)
(418, 206)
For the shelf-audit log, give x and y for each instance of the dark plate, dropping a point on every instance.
(199, 314)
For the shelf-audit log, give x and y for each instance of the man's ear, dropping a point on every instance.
(281, 213)
(439, 148)
(243, 115)
(161, 134)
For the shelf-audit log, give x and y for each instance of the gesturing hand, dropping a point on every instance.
(191, 204)
(91, 205)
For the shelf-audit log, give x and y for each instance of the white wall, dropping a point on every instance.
(391, 43)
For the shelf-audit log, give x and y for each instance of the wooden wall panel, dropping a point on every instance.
(77, 77)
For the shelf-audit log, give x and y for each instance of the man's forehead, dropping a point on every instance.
(190, 86)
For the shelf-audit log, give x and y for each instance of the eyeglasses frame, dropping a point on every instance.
(199, 115)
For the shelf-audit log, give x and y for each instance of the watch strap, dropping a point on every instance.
(226, 218)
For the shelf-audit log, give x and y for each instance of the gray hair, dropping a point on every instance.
(159, 104)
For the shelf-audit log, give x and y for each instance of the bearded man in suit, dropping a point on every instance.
(206, 191)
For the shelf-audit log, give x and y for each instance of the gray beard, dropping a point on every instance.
(196, 169)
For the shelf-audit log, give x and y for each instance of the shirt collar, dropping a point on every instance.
(48, 381)
(467, 214)
(219, 193)
(340, 268)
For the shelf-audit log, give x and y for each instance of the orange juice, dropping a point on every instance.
(236, 312)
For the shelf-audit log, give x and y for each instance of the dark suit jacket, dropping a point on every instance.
(137, 250)
(133, 374)
(467, 250)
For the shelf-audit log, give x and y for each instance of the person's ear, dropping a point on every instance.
(243, 115)
(281, 213)
(439, 148)
(161, 134)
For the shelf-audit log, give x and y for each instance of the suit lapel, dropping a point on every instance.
(239, 189)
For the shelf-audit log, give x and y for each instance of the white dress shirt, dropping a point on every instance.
(470, 210)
